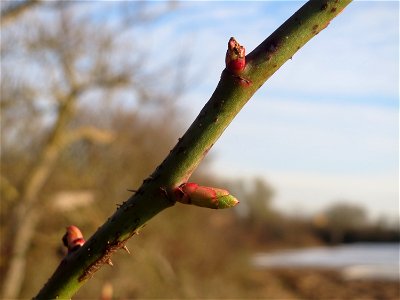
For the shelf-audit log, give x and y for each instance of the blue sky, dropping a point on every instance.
(325, 126)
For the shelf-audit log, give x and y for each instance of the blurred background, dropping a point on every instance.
(95, 94)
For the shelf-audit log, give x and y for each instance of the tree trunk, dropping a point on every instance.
(25, 217)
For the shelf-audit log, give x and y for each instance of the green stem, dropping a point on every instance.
(156, 193)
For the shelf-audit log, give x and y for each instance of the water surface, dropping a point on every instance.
(355, 261)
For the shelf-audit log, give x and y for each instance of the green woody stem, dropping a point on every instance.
(157, 192)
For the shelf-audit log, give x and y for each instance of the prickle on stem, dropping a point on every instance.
(126, 249)
(192, 193)
(73, 238)
(235, 58)
(109, 262)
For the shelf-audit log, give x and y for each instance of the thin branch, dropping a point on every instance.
(157, 191)
(7, 189)
(14, 11)
(89, 133)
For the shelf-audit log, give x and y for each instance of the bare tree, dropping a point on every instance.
(54, 61)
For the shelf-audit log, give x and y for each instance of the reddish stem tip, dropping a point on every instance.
(235, 59)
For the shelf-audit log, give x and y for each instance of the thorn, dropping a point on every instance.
(126, 249)
(133, 191)
(109, 262)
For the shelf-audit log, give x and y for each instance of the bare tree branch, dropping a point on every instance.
(13, 279)
(7, 189)
(25, 217)
(90, 133)
(15, 11)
